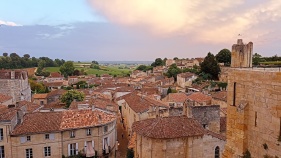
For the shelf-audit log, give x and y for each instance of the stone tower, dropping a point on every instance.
(242, 54)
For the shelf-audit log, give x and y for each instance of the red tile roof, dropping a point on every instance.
(40, 96)
(168, 127)
(186, 75)
(55, 74)
(199, 97)
(4, 98)
(221, 95)
(44, 122)
(141, 104)
(176, 97)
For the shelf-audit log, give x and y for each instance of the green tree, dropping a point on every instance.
(95, 62)
(5, 54)
(158, 62)
(169, 90)
(67, 69)
(210, 66)
(224, 56)
(256, 59)
(173, 71)
(70, 95)
(144, 68)
(176, 58)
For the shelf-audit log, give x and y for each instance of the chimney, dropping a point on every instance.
(187, 108)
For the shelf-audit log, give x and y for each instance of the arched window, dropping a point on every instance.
(217, 152)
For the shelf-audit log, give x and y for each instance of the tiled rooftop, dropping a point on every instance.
(221, 95)
(44, 122)
(4, 98)
(199, 97)
(168, 127)
(141, 104)
(176, 97)
(40, 96)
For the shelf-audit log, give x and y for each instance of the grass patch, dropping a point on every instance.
(271, 63)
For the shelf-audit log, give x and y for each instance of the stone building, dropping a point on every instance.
(241, 55)
(139, 107)
(254, 113)
(14, 83)
(185, 79)
(53, 134)
(175, 137)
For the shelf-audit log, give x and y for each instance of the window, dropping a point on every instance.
(47, 136)
(217, 152)
(41, 102)
(234, 93)
(72, 134)
(28, 138)
(47, 151)
(2, 153)
(105, 128)
(28, 153)
(72, 149)
(89, 132)
(205, 126)
(1, 134)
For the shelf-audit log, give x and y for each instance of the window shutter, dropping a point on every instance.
(93, 144)
(52, 136)
(76, 148)
(68, 147)
(22, 139)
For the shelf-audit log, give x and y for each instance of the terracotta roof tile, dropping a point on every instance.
(4, 98)
(44, 122)
(199, 97)
(186, 75)
(168, 127)
(216, 135)
(141, 104)
(55, 74)
(56, 92)
(40, 96)
(221, 95)
(176, 97)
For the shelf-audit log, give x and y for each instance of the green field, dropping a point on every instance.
(271, 63)
(111, 70)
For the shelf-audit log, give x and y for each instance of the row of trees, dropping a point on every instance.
(14, 61)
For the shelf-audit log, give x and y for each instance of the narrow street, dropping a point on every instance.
(123, 142)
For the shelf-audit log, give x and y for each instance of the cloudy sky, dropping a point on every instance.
(119, 30)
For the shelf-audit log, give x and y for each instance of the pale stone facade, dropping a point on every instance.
(185, 79)
(14, 83)
(254, 113)
(164, 141)
(241, 55)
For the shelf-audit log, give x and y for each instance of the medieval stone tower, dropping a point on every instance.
(241, 55)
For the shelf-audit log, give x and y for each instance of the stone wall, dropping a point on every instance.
(254, 112)
(208, 116)
(188, 147)
(241, 55)
(19, 89)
